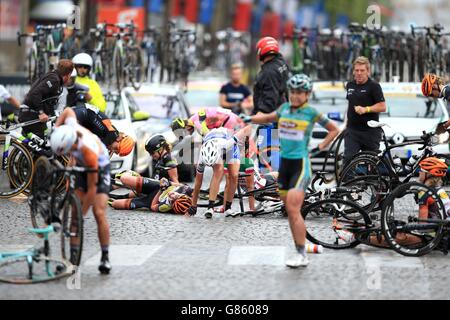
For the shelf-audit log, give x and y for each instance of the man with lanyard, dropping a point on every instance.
(234, 95)
(296, 121)
(269, 93)
(41, 100)
(88, 151)
(365, 102)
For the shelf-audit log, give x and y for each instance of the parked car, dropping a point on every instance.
(163, 103)
(203, 91)
(408, 114)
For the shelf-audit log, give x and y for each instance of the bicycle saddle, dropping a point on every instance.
(376, 124)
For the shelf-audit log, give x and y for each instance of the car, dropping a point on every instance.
(408, 114)
(125, 115)
(163, 102)
(203, 91)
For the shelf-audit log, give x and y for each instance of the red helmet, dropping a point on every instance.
(182, 204)
(428, 82)
(265, 46)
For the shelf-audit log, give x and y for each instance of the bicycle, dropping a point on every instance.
(49, 206)
(19, 267)
(126, 58)
(403, 229)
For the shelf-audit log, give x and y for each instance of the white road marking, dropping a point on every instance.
(8, 248)
(257, 255)
(126, 255)
(389, 258)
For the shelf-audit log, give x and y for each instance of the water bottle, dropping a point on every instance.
(313, 248)
(410, 164)
(397, 163)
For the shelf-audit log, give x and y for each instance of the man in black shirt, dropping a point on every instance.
(365, 102)
(270, 92)
(234, 95)
(41, 100)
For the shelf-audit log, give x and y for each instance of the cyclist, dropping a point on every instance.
(100, 125)
(432, 171)
(41, 100)
(295, 122)
(76, 93)
(433, 86)
(157, 196)
(83, 64)
(160, 150)
(87, 150)
(218, 145)
(5, 96)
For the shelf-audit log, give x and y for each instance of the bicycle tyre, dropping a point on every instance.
(40, 208)
(390, 226)
(10, 264)
(315, 230)
(66, 234)
(18, 189)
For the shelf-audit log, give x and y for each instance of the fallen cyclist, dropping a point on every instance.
(157, 196)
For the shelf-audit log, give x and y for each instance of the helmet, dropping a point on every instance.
(126, 145)
(132, 173)
(83, 59)
(300, 82)
(210, 152)
(182, 204)
(427, 83)
(434, 166)
(179, 123)
(62, 139)
(265, 46)
(155, 142)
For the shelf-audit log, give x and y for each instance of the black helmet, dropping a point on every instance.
(155, 142)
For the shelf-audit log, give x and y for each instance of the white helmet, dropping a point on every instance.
(84, 59)
(62, 139)
(210, 152)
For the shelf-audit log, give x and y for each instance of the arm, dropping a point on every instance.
(333, 131)
(173, 175)
(155, 202)
(224, 103)
(197, 186)
(264, 118)
(67, 113)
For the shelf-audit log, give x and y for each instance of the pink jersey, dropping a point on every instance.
(218, 117)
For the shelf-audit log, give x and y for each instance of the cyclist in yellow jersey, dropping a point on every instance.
(83, 64)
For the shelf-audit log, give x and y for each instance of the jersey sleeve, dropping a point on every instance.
(320, 118)
(377, 93)
(169, 162)
(223, 89)
(246, 92)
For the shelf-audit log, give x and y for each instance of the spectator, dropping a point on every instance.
(365, 102)
(234, 95)
(6, 100)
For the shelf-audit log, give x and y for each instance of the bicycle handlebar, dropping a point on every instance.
(8, 128)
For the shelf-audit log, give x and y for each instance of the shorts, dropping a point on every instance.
(231, 156)
(148, 187)
(247, 166)
(294, 174)
(103, 183)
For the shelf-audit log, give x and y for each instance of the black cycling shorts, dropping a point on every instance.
(103, 183)
(294, 174)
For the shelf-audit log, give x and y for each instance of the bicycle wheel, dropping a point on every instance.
(399, 220)
(39, 200)
(22, 270)
(118, 69)
(72, 227)
(365, 165)
(13, 168)
(326, 219)
(18, 171)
